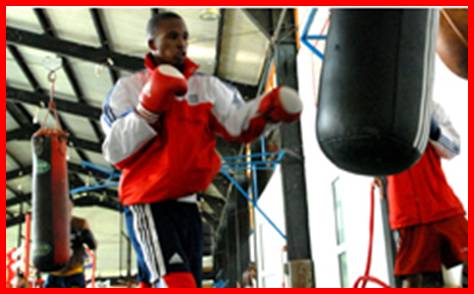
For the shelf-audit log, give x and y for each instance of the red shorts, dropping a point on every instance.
(424, 248)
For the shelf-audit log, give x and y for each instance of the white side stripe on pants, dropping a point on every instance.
(147, 238)
(156, 241)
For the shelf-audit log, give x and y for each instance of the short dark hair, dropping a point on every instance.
(155, 20)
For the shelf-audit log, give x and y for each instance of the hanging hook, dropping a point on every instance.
(52, 76)
(52, 64)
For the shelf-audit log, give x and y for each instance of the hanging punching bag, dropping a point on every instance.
(51, 209)
(375, 88)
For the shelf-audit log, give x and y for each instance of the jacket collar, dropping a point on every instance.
(189, 66)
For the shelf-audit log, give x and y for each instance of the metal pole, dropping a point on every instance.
(390, 247)
(27, 245)
(120, 242)
(300, 262)
(255, 199)
(20, 227)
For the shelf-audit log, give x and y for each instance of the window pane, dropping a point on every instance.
(339, 212)
(343, 270)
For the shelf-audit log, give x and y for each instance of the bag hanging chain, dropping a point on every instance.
(51, 104)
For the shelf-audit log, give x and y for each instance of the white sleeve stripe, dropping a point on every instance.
(448, 144)
(150, 117)
(448, 148)
(107, 120)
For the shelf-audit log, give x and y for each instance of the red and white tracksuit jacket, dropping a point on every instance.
(179, 158)
(421, 194)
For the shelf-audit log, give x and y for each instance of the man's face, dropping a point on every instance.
(171, 42)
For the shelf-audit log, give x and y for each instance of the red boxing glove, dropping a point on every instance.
(282, 104)
(165, 83)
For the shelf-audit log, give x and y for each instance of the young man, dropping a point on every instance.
(72, 275)
(161, 126)
(426, 212)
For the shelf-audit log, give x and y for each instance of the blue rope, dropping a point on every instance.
(305, 37)
(242, 191)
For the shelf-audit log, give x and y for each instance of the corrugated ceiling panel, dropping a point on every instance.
(10, 194)
(15, 76)
(15, 209)
(126, 29)
(88, 180)
(98, 159)
(74, 24)
(94, 80)
(21, 150)
(243, 49)
(22, 185)
(11, 236)
(11, 165)
(80, 126)
(23, 18)
(35, 59)
(11, 123)
(72, 156)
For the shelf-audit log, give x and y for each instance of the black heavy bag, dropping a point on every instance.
(375, 88)
(51, 210)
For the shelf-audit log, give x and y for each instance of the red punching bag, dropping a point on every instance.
(375, 88)
(51, 209)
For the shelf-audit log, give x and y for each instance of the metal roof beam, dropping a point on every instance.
(19, 113)
(262, 19)
(72, 49)
(220, 33)
(93, 200)
(19, 198)
(26, 132)
(16, 160)
(11, 221)
(92, 54)
(97, 17)
(19, 172)
(37, 99)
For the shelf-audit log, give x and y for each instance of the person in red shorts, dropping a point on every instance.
(429, 217)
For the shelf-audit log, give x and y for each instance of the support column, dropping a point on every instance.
(300, 264)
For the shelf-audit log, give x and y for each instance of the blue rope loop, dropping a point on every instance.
(110, 182)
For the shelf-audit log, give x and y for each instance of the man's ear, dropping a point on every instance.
(153, 44)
